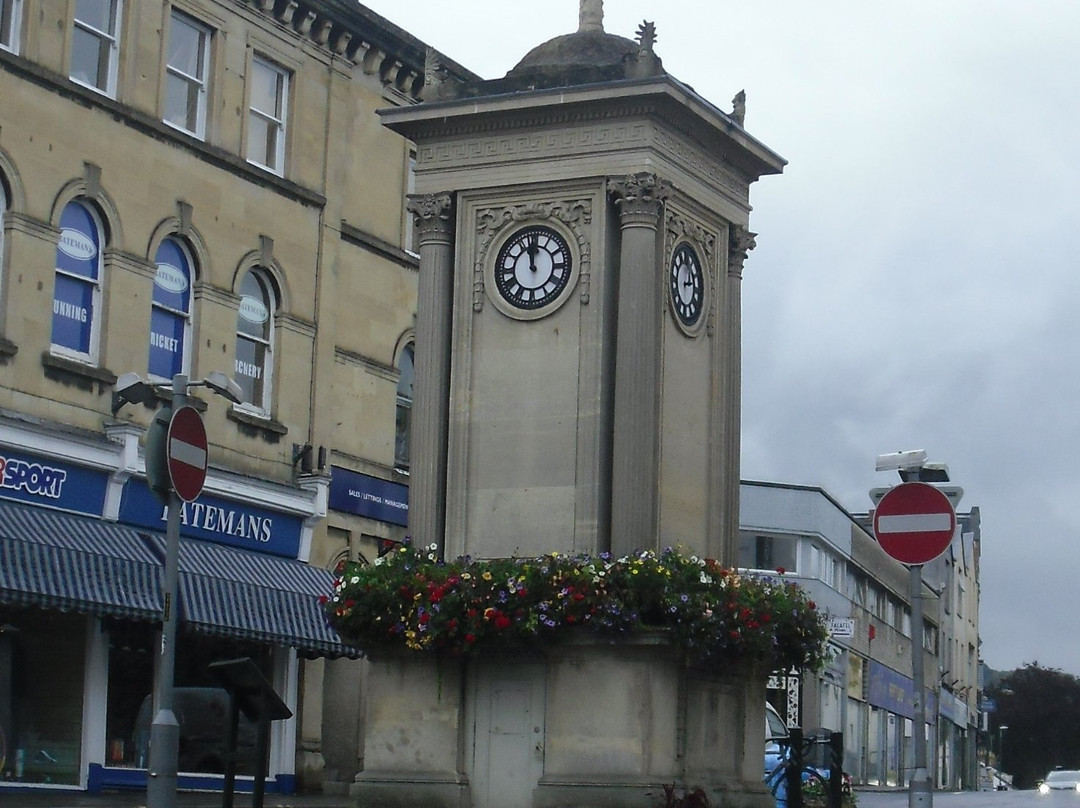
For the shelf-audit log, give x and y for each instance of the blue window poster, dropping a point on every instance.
(171, 308)
(78, 259)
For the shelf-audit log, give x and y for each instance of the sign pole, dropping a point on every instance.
(165, 729)
(920, 792)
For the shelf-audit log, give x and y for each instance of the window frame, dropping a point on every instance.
(264, 279)
(96, 284)
(206, 34)
(403, 410)
(10, 25)
(112, 53)
(278, 121)
(186, 316)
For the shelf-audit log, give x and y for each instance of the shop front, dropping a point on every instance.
(82, 549)
(890, 751)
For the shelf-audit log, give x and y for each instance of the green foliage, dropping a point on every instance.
(1041, 709)
(815, 793)
(412, 599)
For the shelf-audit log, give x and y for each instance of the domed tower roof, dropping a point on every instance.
(587, 56)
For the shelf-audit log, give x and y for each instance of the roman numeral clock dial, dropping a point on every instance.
(687, 284)
(533, 268)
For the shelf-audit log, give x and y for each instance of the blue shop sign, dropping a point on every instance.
(26, 478)
(215, 519)
(169, 314)
(369, 496)
(896, 693)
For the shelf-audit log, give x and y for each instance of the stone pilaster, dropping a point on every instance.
(635, 452)
(740, 242)
(431, 390)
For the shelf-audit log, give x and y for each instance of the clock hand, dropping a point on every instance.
(532, 249)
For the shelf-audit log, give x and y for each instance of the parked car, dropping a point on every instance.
(1060, 780)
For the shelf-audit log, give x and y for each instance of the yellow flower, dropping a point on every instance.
(486, 576)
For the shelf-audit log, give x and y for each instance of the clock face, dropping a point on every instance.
(687, 286)
(533, 267)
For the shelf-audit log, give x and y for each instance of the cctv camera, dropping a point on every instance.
(911, 459)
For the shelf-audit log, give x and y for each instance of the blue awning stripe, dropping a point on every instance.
(237, 593)
(59, 561)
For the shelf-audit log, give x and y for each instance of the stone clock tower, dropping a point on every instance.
(582, 228)
(583, 225)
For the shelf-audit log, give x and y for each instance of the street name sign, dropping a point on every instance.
(187, 453)
(914, 523)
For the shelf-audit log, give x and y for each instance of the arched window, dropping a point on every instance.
(170, 313)
(77, 292)
(255, 339)
(403, 428)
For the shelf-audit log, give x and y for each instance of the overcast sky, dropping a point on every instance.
(917, 274)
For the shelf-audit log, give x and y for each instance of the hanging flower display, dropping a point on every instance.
(412, 599)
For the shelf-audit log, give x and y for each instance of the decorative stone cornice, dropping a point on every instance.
(740, 242)
(639, 197)
(433, 215)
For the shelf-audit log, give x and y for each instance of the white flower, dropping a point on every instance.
(706, 579)
(380, 560)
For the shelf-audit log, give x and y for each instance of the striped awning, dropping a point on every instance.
(237, 593)
(59, 561)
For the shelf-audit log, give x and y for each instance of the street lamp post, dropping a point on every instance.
(1001, 749)
(165, 729)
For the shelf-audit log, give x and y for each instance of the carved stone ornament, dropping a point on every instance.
(679, 228)
(433, 214)
(575, 214)
(639, 196)
(740, 242)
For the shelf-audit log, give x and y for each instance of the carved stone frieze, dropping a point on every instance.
(575, 214)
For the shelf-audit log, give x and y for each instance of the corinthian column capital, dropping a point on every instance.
(639, 197)
(740, 242)
(433, 214)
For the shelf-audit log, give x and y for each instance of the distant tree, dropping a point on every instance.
(1041, 709)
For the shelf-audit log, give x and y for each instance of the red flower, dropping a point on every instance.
(323, 599)
(502, 621)
(781, 570)
(424, 618)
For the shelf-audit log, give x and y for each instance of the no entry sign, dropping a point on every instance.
(914, 523)
(186, 453)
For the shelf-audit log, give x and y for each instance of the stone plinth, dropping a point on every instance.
(586, 724)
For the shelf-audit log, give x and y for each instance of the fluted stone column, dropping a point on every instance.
(740, 242)
(635, 456)
(431, 388)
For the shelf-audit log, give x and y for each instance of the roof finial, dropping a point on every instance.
(591, 15)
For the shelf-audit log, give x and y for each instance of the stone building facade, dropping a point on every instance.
(191, 186)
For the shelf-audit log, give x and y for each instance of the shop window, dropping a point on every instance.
(42, 667)
(403, 425)
(77, 291)
(767, 553)
(186, 71)
(268, 102)
(170, 313)
(95, 44)
(200, 704)
(255, 340)
(10, 22)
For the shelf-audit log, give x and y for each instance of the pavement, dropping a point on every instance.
(137, 799)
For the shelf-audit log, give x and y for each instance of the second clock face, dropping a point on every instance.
(533, 267)
(687, 286)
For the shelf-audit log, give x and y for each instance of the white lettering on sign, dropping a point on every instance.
(249, 369)
(77, 244)
(253, 310)
(367, 496)
(170, 278)
(70, 311)
(914, 523)
(161, 341)
(33, 478)
(225, 521)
